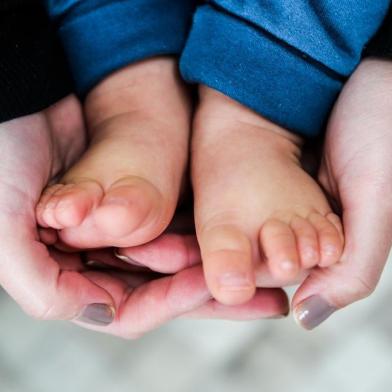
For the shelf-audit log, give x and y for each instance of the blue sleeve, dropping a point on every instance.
(285, 59)
(101, 36)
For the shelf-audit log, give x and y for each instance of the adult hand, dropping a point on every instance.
(50, 284)
(357, 172)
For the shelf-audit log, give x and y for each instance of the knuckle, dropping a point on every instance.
(45, 310)
(363, 287)
(356, 288)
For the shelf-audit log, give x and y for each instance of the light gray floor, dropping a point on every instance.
(351, 352)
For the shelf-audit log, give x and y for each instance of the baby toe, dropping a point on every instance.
(76, 201)
(45, 210)
(337, 222)
(227, 262)
(47, 236)
(130, 204)
(279, 245)
(330, 240)
(307, 242)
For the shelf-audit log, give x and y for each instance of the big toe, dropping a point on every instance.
(130, 204)
(227, 261)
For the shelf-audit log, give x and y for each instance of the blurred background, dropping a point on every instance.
(350, 352)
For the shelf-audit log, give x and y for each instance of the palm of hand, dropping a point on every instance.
(35, 149)
(356, 171)
(50, 284)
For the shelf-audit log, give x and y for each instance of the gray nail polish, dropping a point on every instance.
(127, 259)
(312, 311)
(97, 314)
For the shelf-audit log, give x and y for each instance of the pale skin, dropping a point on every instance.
(51, 284)
(356, 170)
(253, 201)
(125, 188)
(36, 273)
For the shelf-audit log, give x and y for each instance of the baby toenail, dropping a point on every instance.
(64, 204)
(235, 281)
(310, 254)
(50, 204)
(287, 265)
(330, 250)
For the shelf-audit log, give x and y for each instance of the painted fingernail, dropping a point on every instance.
(312, 311)
(234, 281)
(127, 259)
(97, 314)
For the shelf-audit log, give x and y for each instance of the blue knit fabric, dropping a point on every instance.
(285, 59)
(101, 36)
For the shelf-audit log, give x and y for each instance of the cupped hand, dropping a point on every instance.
(356, 171)
(51, 284)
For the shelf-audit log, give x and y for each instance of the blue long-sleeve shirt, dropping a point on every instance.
(101, 36)
(286, 59)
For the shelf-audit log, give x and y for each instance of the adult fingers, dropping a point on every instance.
(368, 232)
(266, 304)
(147, 306)
(171, 253)
(36, 281)
(168, 253)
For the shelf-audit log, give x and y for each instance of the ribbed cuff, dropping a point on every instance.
(259, 71)
(102, 39)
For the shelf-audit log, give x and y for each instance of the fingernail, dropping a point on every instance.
(312, 311)
(330, 251)
(127, 259)
(96, 264)
(97, 314)
(234, 281)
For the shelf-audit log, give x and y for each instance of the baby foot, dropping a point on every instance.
(253, 201)
(124, 189)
